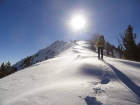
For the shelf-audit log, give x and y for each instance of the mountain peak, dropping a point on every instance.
(51, 51)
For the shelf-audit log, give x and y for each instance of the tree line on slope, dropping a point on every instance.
(127, 48)
(6, 69)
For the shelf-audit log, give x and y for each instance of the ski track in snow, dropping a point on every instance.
(74, 77)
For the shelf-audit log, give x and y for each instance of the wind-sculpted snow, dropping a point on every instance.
(74, 77)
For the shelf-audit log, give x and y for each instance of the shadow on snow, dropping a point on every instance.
(130, 84)
(133, 64)
(94, 70)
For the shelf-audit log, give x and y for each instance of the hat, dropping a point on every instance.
(102, 36)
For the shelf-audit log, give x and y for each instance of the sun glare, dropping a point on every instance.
(78, 22)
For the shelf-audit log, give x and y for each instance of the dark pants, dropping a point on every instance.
(100, 51)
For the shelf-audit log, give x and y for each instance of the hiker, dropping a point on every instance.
(100, 43)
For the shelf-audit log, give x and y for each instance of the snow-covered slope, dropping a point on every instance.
(49, 52)
(74, 77)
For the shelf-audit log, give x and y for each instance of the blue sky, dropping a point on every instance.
(27, 26)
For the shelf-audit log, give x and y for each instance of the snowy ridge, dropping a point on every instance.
(75, 77)
(50, 52)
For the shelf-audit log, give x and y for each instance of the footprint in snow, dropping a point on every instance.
(92, 101)
(105, 80)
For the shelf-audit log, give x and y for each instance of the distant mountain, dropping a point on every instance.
(51, 51)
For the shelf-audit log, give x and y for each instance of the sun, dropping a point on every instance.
(78, 22)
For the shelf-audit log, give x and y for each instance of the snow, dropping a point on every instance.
(74, 77)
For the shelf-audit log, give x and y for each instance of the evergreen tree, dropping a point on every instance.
(139, 50)
(112, 51)
(13, 69)
(27, 62)
(107, 48)
(128, 44)
(0, 72)
(120, 51)
(3, 70)
(46, 58)
(8, 67)
(139, 46)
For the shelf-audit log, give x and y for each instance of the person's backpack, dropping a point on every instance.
(101, 40)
